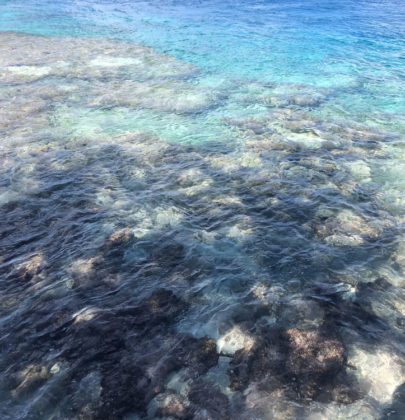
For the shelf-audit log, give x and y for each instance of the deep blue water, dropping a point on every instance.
(202, 209)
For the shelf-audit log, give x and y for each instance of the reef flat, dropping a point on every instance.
(152, 271)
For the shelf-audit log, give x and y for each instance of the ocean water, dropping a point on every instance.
(202, 209)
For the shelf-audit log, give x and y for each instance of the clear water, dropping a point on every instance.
(202, 209)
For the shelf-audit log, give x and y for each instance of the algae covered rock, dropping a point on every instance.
(302, 360)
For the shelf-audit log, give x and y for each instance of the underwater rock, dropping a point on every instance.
(308, 140)
(313, 358)
(15, 74)
(30, 268)
(233, 340)
(27, 380)
(302, 313)
(383, 297)
(306, 100)
(130, 376)
(168, 96)
(170, 253)
(344, 392)
(85, 399)
(25, 56)
(379, 372)
(162, 306)
(223, 162)
(167, 217)
(208, 401)
(242, 230)
(359, 170)
(263, 359)
(280, 94)
(362, 409)
(256, 126)
(84, 266)
(194, 182)
(301, 359)
(172, 353)
(32, 111)
(170, 404)
(191, 177)
(124, 388)
(279, 131)
(273, 401)
(118, 238)
(348, 228)
(399, 256)
(199, 354)
(95, 333)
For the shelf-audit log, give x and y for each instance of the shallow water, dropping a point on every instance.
(203, 210)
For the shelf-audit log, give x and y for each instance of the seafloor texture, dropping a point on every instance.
(256, 274)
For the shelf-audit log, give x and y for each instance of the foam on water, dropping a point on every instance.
(202, 210)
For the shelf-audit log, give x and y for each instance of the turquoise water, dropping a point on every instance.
(353, 49)
(202, 210)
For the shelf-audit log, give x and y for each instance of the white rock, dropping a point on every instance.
(55, 368)
(86, 314)
(361, 409)
(378, 371)
(167, 216)
(234, 340)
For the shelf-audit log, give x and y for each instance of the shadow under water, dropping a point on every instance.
(256, 276)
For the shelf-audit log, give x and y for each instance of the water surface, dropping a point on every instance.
(202, 210)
